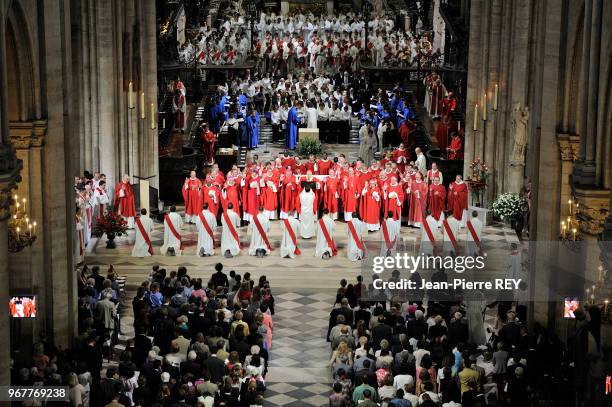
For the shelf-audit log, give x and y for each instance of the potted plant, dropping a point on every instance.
(308, 146)
(477, 181)
(112, 224)
(510, 207)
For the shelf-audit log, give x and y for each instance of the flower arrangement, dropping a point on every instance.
(480, 170)
(112, 224)
(509, 206)
(308, 146)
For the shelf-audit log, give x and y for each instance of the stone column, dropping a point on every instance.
(607, 228)
(149, 164)
(568, 150)
(473, 81)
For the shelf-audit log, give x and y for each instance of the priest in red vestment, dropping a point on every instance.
(400, 157)
(331, 195)
(458, 199)
(209, 193)
(394, 197)
(269, 194)
(253, 196)
(370, 210)
(437, 198)
(350, 193)
(289, 194)
(323, 165)
(124, 200)
(208, 143)
(418, 201)
(442, 132)
(405, 132)
(455, 150)
(230, 194)
(191, 196)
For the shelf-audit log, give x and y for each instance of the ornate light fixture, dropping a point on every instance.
(22, 230)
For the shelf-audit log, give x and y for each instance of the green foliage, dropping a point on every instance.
(308, 146)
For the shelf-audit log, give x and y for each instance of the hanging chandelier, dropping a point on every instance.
(22, 230)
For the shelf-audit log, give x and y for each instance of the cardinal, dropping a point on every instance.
(458, 199)
(269, 193)
(124, 200)
(437, 198)
(191, 196)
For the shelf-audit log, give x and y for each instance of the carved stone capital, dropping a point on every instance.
(10, 167)
(593, 209)
(27, 134)
(569, 146)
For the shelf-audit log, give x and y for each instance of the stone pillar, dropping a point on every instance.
(149, 163)
(569, 146)
(473, 81)
(607, 228)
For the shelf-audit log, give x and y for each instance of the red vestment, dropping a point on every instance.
(179, 110)
(288, 162)
(323, 167)
(391, 203)
(208, 145)
(456, 149)
(210, 194)
(191, 196)
(457, 199)
(253, 196)
(418, 202)
(370, 211)
(330, 199)
(269, 193)
(231, 195)
(310, 166)
(437, 198)
(442, 134)
(125, 205)
(349, 190)
(289, 194)
(401, 158)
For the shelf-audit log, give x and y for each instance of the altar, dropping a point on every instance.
(308, 133)
(314, 6)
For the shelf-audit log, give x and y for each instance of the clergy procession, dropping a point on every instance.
(308, 198)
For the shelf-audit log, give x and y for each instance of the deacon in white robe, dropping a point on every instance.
(229, 246)
(477, 227)
(323, 248)
(171, 241)
(79, 251)
(353, 251)
(205, 241)
(287, 248)
(258, 242)
(453, 226)
(427, 243)
(393, 230)
(99, 200)
(307, 215)
(141, 247)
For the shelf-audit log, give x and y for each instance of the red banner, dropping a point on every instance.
(292, 236)
(145, 236)
(173, 230)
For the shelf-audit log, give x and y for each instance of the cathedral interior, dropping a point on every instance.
(68, 68)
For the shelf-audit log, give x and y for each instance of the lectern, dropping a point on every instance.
(143, 191)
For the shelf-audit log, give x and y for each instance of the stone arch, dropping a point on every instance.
(21, 81)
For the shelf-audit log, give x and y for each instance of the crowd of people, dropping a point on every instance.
(299, 41)
(412, 354)
(197, 343)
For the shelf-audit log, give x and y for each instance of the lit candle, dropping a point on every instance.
(592, 298)
(30, 230)
(130, 95)
(152, 116)
(142, 106)
(569, 222)
(459, 126)
(606, 306)
(18, 231)
(570, 206)
(476, 117)
(484, 107)
(495, 97)
(564, 229)
(574, 232)
(24, 205)
(164, 122)
(34, 227)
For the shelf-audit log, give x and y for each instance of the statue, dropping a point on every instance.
(520, 117)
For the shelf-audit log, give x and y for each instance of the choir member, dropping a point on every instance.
(260, 245)
(307, 214)
(291, 228)
(84, 202)
(434, 172)
(331, 195)
(100, 199)
(124, 200)
(269, 193)
(391, 232)
(252, 123)
(437, 199)
(289, 194)
(80, 237)
(394, 197)
(326, 247)
(355, 249)
(191, 197)
(370, 210)
(142, 242)
(293, 120)
(208, 144)
(173, 224)
(457, 200)
(455, 150)
(418, 201)
(230, 241)
(205, 224)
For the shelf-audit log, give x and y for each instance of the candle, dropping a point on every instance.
(164, 122)
(569, 222)
(30, 230)
(142, 106)
(564, 228)
(570, 206)
(152, 116)
(130, 95)
(574, 232)
(606, 306)
(476, 117)
(592, 298)
(24, 205)
(34, 227)
(18, 231)
(495, 97)
(484, 107)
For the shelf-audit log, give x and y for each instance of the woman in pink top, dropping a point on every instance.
(267, 322)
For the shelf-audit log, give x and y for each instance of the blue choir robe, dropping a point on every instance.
(252, 130)
(293, 120)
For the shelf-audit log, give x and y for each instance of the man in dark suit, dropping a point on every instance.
(381, 331)
(344, 310)
(191, 365)
(215, 366)
(219, 278)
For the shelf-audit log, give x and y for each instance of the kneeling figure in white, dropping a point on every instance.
(173, 223)
(206, 242)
